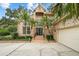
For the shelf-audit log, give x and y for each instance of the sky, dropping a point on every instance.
(4, 6)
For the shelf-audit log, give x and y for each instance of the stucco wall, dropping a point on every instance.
(68, 36)
(20, 29)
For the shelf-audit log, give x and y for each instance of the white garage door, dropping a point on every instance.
(70, 37)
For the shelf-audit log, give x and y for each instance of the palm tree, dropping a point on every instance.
(21, 14)
(26, 19)
(32, 22)
(47, 23)
(61, 10)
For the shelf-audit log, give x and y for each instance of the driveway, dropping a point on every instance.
(35, 49)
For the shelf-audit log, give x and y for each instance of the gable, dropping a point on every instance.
(39, 8)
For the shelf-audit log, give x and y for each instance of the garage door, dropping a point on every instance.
(70, 37)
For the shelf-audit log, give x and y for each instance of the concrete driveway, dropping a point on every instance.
(35, 49)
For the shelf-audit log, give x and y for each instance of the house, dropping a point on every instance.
(67, 34)
(37, 30)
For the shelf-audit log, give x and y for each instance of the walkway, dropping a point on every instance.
(35, 49)
(39, 39)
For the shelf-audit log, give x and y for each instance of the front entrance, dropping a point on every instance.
(39, 31)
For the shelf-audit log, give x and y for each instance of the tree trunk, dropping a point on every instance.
(48, 30)
(25, 29)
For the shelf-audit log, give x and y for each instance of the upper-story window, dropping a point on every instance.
(39, 14)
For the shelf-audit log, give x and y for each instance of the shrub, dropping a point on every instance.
(49, 37)
(9, 37)
(21, 37)
(29, 38)
(12, 29)
(4, 32)
(14, 35)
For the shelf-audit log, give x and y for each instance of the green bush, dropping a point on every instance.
(21, 37)
(14, 35)
(9, 37)
(49, 37)
(4, 32)
(29, 38)
(12, 29)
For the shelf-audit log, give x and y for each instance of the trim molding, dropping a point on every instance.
(69, 27)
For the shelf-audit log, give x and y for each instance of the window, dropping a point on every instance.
(24, 30)
(28, 30)
(39, 14)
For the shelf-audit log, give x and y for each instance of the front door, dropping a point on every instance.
(39, 31)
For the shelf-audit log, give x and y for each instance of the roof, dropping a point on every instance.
(40, 6)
